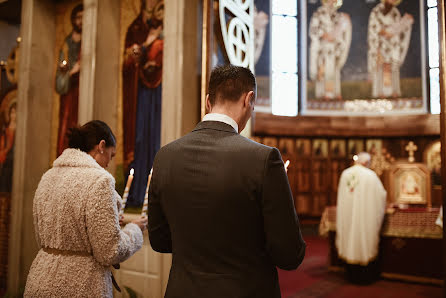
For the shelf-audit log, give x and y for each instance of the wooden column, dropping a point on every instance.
(442, 39)
(206, 51)
(33, 135)
(180, 95)
(98, 87)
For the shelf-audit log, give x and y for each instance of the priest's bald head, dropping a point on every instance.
(363, 158)
(232, 91)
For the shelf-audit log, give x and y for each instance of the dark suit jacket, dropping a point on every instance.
(222, 205)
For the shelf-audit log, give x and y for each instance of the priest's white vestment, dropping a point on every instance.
(359, 214)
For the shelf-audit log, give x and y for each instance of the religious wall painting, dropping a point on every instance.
(364, 57)
(432, 159)
(8, 124)
(409, 183)
(67, 64)
(354, 146)
(9, 75)
(303, 147)
(142, 42)
(320, 148)
(286, 147)
(337, 148)
(373, 146)
(262, 54)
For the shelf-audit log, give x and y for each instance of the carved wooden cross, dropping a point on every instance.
(411, 148)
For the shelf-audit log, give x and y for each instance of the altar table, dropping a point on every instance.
(410, 245)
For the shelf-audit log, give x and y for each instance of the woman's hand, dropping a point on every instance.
(141, 223)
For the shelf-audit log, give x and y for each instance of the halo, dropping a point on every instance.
(158, 10)
(8, 100)
(396, 3)
(337, 4)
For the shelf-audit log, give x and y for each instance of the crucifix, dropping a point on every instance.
(411, 148)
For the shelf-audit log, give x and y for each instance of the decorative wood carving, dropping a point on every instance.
(370, 126)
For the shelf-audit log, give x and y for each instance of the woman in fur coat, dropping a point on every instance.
(77, 223)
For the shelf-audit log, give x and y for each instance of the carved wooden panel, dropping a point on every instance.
(317, 163)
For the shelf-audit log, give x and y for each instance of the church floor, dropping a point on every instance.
(312, 279)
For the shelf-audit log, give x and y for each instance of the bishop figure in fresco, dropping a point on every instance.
(388, 42)
(330, 34)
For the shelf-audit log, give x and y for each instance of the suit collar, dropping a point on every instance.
(215, 125)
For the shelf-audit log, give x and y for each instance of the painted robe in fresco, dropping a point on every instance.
(141, 104)
(68, 88)
(388, 42)
(330, 34)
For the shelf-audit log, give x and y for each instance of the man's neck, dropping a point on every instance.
(228, 112)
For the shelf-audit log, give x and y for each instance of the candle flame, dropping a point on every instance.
(132, 171)
(64, 62)
(355, 157)
(287, 163)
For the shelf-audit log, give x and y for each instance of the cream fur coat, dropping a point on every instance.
(76, 209)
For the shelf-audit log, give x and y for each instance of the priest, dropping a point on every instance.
(360, 211)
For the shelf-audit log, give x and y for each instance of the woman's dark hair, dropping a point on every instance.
(89, 135)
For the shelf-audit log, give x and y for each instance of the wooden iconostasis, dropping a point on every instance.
(317, 161)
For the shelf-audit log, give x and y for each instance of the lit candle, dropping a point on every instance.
(146, 197)
(287, 163)
(126, 191)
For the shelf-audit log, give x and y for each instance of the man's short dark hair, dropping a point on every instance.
(229, 82)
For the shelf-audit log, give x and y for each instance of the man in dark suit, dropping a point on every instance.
(222, 204)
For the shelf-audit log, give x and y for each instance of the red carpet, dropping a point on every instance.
(312, 279)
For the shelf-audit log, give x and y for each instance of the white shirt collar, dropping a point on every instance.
(221, 118)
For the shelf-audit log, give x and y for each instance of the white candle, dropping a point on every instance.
(146, 197)
(126, 191)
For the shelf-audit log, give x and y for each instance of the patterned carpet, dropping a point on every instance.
(312, 279)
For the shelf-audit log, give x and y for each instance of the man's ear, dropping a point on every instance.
(249, 98)
(208, 104)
